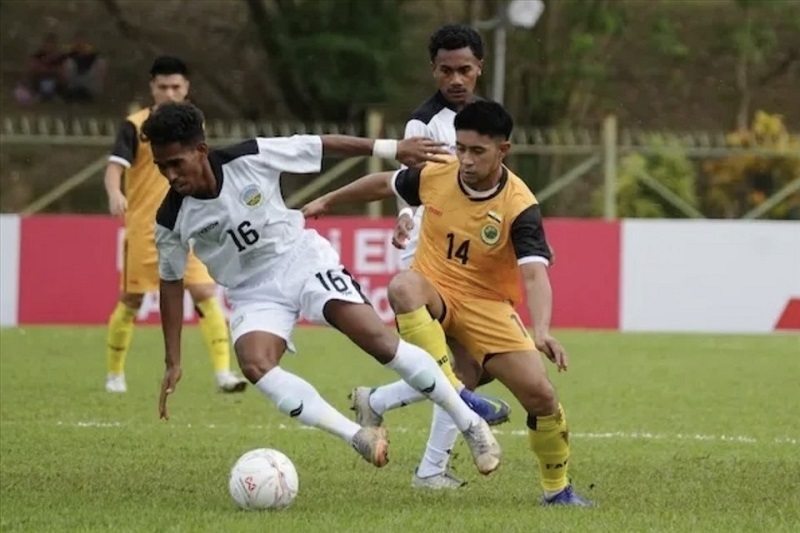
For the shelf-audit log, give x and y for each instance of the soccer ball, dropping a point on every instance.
(263, 479)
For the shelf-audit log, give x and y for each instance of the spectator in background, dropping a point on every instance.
(45, 76)
(84, 71)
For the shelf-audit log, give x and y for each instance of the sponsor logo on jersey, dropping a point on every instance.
(490, 234)
(208, 228)
(251, 196)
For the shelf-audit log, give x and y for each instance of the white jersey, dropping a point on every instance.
(242, 232)
(433, 119)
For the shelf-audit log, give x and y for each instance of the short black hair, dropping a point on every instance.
(485, 117)
(455, 37)
(175, 123)
(168, 65)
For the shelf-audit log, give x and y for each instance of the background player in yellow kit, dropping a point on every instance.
(135, 190)
(482, 228)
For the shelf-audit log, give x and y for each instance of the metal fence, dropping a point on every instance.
(575, 172)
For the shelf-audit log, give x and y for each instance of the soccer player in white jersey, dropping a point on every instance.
(456, 53)
(227, 206)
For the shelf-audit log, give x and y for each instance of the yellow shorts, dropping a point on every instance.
(484, 327)
(140, 268)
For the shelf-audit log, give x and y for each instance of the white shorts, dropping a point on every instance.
(298, 286)
(407, 254)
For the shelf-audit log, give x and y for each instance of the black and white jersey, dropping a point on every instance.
(241, 233)
(434, 119)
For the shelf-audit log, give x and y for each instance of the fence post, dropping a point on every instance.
(610, 167)
(374, 129)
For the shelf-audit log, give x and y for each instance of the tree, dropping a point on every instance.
(669, 167)
(753, 39)
(330, 60)
(742, 182)
(562, 59)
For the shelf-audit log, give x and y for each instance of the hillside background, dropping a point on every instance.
(659, 64)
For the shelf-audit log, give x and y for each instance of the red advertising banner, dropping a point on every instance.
(69, 268)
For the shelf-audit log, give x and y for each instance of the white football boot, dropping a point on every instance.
(485, 449)
(228, 382)
(115, 383)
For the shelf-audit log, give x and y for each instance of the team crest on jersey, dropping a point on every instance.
(490, 234)
(251, 196)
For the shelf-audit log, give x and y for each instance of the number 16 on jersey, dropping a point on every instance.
(244, 236)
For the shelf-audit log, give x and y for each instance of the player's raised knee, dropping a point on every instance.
(257, 355)
(541, 399)
(255, 368)
(407, 292)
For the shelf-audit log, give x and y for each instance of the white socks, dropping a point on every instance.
(298, 399)
(440, 442)
(419, 370)
(394, 395)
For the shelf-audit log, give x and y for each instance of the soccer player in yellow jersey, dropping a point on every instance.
(135, 190)
(482, 229)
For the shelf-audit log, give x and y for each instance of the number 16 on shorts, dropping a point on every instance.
(340, 281)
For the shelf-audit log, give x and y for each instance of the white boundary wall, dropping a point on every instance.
(676, 275)
(9, 269)
(707, 276)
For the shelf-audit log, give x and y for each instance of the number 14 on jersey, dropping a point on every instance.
(458, 252)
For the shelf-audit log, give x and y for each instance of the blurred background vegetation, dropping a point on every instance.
(727, 66)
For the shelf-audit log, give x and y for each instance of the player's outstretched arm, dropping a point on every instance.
(117, 203)
(370, 188)
(410, 152)
(540, 304)
(171, 304)
(122, 156)
(533, 256)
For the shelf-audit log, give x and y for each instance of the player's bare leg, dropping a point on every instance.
(523, 373)
(259, 354)
(416, 303)
(118, 340)
(362, 325)
(215, 334)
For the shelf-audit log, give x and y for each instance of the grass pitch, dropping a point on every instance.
(668, 433)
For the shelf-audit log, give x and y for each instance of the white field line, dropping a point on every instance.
(609, 435)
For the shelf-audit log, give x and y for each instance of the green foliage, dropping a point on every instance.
(331, 60)
(670, 167)
(666, 39)
(565, 55)
(743, 182)
(753, 39)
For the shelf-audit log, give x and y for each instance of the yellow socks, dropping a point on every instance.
(212, 324)
(418, 328)
(118, 337)
(215, 333)
(549, 438)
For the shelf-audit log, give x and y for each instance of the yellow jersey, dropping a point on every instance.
(471, 244)
(143, 185)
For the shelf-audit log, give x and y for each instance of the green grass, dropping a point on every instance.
(673, 433)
